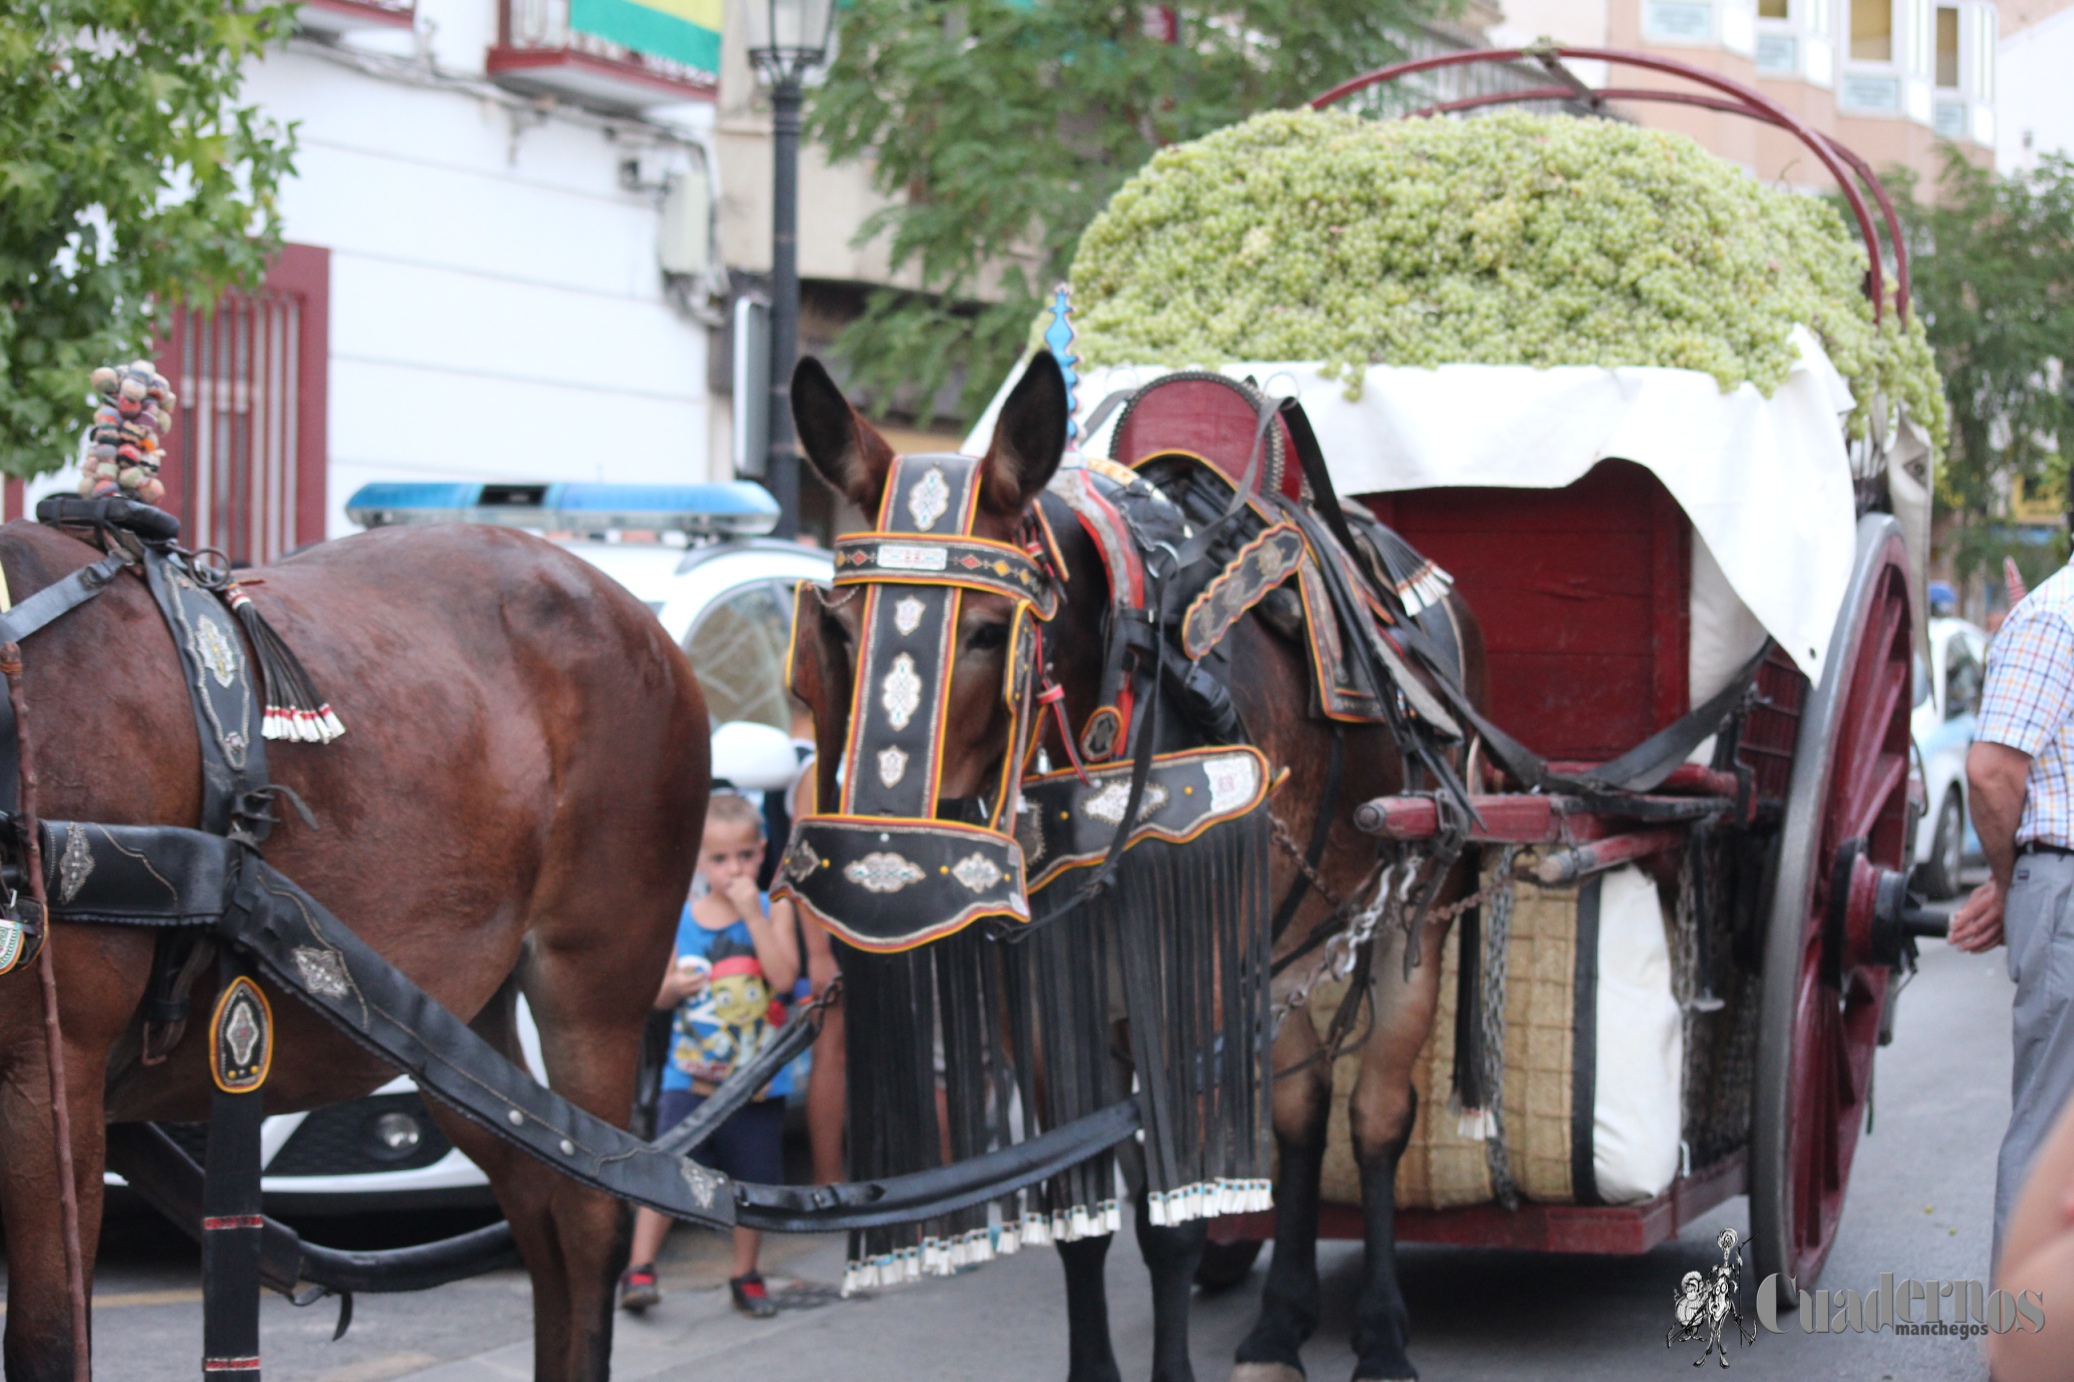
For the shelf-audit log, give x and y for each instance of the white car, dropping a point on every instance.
(1947, 704)
(727, 600)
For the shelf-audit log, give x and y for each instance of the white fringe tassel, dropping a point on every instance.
(1208, 1199)
(949, 1256)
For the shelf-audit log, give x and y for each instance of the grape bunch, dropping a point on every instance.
(1512, 239)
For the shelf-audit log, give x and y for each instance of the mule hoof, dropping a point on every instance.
(1266, 1372)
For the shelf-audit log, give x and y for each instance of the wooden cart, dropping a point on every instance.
(1800, 831)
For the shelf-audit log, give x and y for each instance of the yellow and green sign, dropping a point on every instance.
(686, 31)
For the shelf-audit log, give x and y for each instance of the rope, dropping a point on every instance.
(53, 1035)
(1496, 937)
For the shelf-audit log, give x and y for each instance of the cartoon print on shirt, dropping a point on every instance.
(732, 1020)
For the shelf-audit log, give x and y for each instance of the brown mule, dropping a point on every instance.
(1272, 697)
(518, 797)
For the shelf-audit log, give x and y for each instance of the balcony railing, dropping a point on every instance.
(541, 53)
(343, 16)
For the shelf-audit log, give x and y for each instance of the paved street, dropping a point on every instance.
(1919, 1207)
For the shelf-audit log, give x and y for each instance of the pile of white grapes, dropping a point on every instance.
(1511, 239)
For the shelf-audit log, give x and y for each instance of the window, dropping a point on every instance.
(1872, 31)
(1773, 9)
(1948, 45)
(1778, 54)
(1962, 679)
(245, 461)
(1871, 93)
(738, 649)
(1678, 21)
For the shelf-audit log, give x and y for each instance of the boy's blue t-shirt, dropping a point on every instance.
(732, 1019)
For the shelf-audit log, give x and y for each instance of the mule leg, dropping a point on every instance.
(1091, 1357)
(1171, 1256)
(101, 973)
(1382, 1324)
(39, 1307)
(1382, 1112)
(573, 1239)
(1289, 1301)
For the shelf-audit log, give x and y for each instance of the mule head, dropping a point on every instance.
(919, 667)
(849, 454)
(1029, 441)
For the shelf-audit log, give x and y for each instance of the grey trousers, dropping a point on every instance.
(2038, 925)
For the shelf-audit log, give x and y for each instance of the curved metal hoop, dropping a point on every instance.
(1845, 166)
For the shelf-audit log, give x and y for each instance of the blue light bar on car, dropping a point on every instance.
(738, 509)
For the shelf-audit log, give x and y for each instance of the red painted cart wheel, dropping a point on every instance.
(1822, 991)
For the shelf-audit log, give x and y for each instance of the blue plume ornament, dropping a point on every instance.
(1058, 337)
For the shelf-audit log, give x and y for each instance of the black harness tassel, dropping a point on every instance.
(294, 707)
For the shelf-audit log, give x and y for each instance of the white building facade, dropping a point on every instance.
(2034, 110)
(498, 268)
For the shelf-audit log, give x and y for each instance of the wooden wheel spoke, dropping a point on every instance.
(1884, 775)
(1867, 780)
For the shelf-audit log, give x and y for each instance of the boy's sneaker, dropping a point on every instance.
(751, 1298)
(637, 1289)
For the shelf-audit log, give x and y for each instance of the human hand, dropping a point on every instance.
(683, 981)
(1977, 925)
(741, 895)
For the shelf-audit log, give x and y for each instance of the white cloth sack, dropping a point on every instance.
(1638, 1079)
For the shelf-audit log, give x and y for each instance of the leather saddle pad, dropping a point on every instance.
(1212, 417)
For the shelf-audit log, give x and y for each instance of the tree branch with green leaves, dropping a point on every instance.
(1001, 127)
(131, 179)
(1993, 262)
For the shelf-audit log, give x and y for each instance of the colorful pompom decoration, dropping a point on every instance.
(122, 454)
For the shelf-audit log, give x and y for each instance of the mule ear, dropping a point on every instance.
(1029, 439)
(847, 451)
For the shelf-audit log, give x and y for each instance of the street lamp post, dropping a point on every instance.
(788, 40)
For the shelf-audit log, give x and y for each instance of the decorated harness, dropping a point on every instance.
(883, 871)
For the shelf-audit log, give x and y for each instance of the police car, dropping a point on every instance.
(698, 556)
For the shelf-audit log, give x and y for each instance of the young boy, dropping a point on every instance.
(736, 952)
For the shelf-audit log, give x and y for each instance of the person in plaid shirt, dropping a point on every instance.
(2021, 774)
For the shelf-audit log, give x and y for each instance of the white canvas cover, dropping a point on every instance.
(1766, 482)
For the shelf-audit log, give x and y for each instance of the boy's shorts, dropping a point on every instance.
(749, 1146)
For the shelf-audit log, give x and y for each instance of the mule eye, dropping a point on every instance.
(987, 638)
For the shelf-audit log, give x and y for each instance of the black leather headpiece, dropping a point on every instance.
(882, 871)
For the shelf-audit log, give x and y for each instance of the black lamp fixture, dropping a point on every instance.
(788, 42)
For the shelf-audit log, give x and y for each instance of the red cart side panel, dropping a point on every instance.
(1584, 597)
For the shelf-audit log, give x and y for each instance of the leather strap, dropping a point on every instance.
(941, 1190)
(309, 952)
(231, 1223)
(60, 597)
(228, 704)
(169, 1181)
